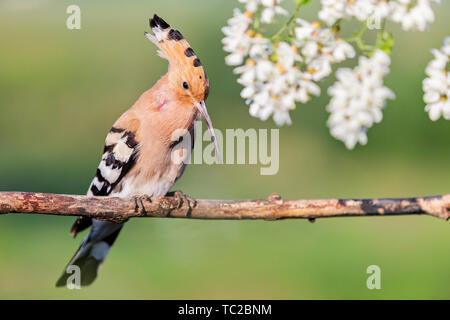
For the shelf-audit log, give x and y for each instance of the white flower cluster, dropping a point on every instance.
(271, 88)
(437, 85)
(275, 77)
(411, 14)
(358, 98)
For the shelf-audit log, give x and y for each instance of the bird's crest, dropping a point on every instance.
(182, 58)
(171, 43)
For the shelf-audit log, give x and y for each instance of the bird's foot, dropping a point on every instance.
(139, 204)
(183, 199)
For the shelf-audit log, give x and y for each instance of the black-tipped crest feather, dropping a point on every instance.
(158, 22)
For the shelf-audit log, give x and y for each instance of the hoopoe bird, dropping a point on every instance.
(137, 157)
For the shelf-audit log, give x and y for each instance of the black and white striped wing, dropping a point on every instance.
(119, 156)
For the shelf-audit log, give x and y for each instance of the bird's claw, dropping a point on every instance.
(139, 205)
(184, 199)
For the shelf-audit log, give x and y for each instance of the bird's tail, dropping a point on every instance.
(91, 254)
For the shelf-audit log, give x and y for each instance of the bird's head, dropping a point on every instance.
(186, 77)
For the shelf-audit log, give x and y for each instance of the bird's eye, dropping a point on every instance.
(185, 85)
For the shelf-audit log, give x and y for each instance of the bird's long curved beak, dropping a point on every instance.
(201, 107)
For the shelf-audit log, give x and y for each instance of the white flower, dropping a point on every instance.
(319, 68)
(287, 55)
(266, 71)
(341, 51)
(333, 10)
(271, 7)
(260, 48)
(320, 48)
(361, 9)
(412, 14)
(251, 5)
(357, 98)
(272, 88)
(237, 42)
(437, 85)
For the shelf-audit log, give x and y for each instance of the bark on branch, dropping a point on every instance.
(272, 208)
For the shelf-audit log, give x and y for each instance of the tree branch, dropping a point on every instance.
(273, 208)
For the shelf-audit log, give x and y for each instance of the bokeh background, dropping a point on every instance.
(61, 90)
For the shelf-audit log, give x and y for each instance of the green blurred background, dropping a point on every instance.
(61, 90)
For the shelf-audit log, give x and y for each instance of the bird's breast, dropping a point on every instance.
(165, 142)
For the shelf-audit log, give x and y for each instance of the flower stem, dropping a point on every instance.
(257, 22)
(289, 24)
(358, 40)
